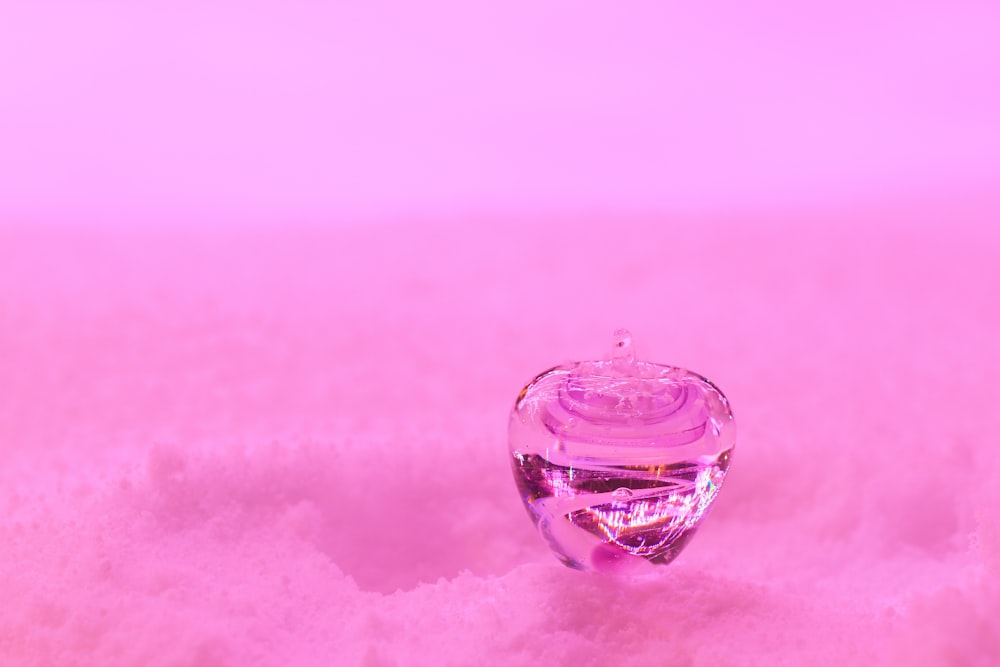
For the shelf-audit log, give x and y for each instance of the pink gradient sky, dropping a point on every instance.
(265, 110)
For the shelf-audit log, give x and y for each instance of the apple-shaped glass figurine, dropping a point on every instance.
(617, 461)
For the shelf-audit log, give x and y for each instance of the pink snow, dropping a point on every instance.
(286, 446)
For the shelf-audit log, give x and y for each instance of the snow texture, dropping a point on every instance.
(287, 446)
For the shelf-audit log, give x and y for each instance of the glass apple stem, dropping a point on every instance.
(622, 352)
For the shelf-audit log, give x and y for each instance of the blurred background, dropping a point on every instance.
(230, 112)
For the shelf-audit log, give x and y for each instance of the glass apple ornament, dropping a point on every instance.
(618, 461)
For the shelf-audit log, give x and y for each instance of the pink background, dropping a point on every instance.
(270, 110)
(271, 275)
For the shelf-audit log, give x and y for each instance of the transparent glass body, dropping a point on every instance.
(618, 461)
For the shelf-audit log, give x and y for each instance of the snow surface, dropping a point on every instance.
(286, 446)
